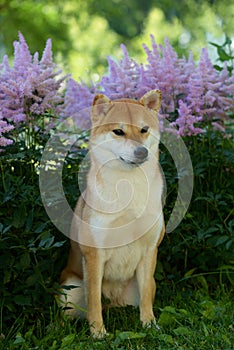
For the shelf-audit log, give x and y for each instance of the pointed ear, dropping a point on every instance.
(101, 105)
(152, 100)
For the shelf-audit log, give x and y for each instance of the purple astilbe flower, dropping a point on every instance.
(22, 57)
(227, 93)
(5, 128)
(210, 93)
(210, 80)
(77, 101)
(186, 121)
(47, 57)
(207, 94)
(124, 78)
(4, 66)
(163, 73)
(29, 89)
(193, 95)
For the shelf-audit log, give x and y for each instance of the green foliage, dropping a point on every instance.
(30, 247)
(125, 18)
(225, 54)
(196, 260)
(203, 243)
(38, 20)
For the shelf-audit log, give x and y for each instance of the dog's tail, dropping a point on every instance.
(72, 297)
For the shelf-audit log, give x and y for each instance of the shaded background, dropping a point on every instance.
(84, 33)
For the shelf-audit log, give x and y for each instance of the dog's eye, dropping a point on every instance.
(119, 132)
(144, 129)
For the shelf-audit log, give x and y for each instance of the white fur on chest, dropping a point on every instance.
(122, 262)
(121, 191)
(124, 206)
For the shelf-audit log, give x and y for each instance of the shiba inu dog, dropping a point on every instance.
(118, 221)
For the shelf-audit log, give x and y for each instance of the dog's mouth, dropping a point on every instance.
(135, 162)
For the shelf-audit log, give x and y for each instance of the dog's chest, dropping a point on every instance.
(125, 196)
(122, 262)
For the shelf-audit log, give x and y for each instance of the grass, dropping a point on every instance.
(188, 319)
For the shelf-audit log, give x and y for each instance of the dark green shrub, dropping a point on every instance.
(203, 242)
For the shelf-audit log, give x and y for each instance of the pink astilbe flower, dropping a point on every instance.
(78, 99)
(193, 95)
(166, 72)
(31, 87)
(5, 128)
(124, 78)
(22, 56)
(210, 93)
(47, 57)
(186, 121)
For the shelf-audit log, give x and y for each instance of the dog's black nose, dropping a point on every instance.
(141, 153)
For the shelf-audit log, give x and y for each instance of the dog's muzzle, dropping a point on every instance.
(140, 156)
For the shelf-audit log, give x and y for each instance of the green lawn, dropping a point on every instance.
(188, 320)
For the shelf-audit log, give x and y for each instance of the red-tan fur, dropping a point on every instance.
(124, 273)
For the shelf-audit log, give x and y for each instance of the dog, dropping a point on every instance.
(118, 220)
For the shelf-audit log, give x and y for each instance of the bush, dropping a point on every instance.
(202, 245)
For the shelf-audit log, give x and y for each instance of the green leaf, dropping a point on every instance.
(203, 282)
(46, 240)
(68, 340)
(227, 267)
(221, 240)
(41, 227)
(29, 221)
(223, 56)
(169, 309)
(209, 309)
(19, 217)
(167, 316)
(214, 44)
(24, 261)
(31, 280)
(130, 335)
(22, 300)
(190, 272)
(59, 244)
(19, 339)
(7, 276)
(182, 331)
(166, 338)
(183, 312)
(218, 68)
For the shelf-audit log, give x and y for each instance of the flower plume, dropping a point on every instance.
(29, 88)
(193, 95)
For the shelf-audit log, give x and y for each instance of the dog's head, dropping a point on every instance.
(125, 130)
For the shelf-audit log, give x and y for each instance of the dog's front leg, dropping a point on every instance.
(93, 283)
(147, 287)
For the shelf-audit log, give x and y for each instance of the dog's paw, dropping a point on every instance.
(151, 324)
(99, 333)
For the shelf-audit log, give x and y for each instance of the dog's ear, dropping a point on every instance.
(101, 105)
(152, 100)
